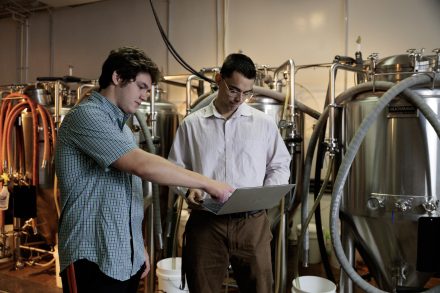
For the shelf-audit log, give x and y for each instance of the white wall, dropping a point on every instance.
(269, 31)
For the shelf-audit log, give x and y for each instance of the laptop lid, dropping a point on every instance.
(249, 199)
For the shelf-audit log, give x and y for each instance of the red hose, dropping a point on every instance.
(9, 122)
(5, 108)
(32, 106)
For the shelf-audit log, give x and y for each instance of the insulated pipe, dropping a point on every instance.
(351, 153)
(282, 97)
(156, 204)
(264, 92)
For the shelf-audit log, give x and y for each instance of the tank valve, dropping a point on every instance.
(376, 202)
(404, 205)
(373, 60)
(430, 206)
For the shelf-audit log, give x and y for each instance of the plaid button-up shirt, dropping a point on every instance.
(101, 207)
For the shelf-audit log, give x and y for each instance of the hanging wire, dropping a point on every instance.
(173, 51)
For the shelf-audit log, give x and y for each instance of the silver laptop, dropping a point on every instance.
(249, 199)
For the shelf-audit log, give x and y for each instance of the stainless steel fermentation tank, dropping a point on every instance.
(393, 179)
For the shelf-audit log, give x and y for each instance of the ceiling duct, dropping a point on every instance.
(62, 3)
(24, 8)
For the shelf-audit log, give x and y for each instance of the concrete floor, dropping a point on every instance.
(34, 279)
(28, 280)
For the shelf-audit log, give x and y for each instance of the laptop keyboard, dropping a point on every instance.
(212, 205)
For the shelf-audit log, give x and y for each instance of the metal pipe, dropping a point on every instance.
(291, 98)
(332, 143)
(36, 249)
(149, 287)
(79, 91)
(345, 283)
(175, 77)
(188, 93)
(26, 50)
(58, 104)
(153, 113)
(280, 267)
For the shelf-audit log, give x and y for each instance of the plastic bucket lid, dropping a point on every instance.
(313, 284)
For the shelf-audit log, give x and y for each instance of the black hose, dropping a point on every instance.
(318, 221)
(173, 51)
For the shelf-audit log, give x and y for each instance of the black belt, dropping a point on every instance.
(242, 215)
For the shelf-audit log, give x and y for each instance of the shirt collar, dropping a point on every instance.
(115, 112)
(210, 110)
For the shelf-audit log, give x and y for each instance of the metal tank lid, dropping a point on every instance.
(397, 63)
(405, 62)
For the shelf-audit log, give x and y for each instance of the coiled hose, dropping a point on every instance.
(319, 128)
(351, 153)
(156, 201)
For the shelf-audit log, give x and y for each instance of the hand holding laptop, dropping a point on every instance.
(248, 199)
(195, 198)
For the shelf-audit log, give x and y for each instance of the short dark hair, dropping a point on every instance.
(128, 62)
(240, 63)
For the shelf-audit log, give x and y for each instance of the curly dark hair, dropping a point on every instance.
(240, 63)
(128, 62)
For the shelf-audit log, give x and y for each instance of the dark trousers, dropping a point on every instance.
(213, 242)
(86, 277)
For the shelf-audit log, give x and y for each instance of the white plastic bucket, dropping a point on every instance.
(169, 275)
(313, 284)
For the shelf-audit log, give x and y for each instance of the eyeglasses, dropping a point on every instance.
(142, 87)
(233, 93)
